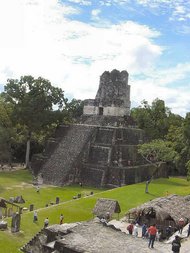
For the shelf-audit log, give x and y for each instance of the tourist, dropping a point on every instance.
(107, 216)
(135, 230)
(181, 224)
(147, 234)
(61, 219)
(38, 189)
(152, 230)
(144, 230)
(158, 235)
(46, 222)
(176, 244)
(103, 221)
(35, 216)
(188, 231)
(147, 183)
(168, 232)
(130, 228)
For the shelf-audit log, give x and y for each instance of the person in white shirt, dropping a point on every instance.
(135, 230)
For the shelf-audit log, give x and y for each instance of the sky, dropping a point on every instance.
(72, 42)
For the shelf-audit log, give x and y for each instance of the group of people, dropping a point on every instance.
(152, 233)
(46, 221)
(147, 232)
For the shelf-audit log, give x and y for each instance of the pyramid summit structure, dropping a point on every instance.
(101, 148)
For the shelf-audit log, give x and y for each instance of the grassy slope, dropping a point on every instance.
(73, 210)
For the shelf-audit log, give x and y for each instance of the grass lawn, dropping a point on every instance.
(19, 183)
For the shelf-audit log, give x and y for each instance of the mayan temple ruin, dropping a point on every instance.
(101, 148)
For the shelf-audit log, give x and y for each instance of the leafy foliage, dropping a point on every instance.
(33, 101)
(188, 170)
(158, 151)
(74, 108)
(7, 132)
(159, 123)
(152, 118)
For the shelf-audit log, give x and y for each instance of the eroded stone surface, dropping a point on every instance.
(94, 237)
(113, 95)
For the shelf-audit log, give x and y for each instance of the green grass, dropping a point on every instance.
(73, 210)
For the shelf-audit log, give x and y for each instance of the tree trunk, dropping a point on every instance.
(27, 158)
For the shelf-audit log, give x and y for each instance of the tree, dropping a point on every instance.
(153, 119)
(74, 108)
(157, 152)
(188, 170)
(5, 150)
(7, 132)
(176, 137)
(186, 128)
(186, 150)
(33, 102)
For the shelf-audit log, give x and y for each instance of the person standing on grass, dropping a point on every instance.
(35, 216)
(152, 230)
(61, 219)
(46, 222)
(38, 189)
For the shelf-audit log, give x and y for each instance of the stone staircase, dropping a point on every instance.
(36, 242)
(61, 163)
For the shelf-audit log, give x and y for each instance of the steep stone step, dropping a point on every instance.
(57, 167)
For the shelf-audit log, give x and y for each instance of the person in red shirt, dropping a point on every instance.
(152, 230)
(130, 228)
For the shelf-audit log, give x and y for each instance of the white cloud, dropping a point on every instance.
(106, 3)
(184, 29)
(81, 2)
(56, 47)
(39, 39)
(11, 23)
(178, 9)
(177, 99)
(95, 13)
(161, 84)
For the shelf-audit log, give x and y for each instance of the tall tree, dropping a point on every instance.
(186, 128)
(7, 132)
(33, 102)
(152, 118)
(186, 132)
(157, 152)
(74, 108)
(176, 137)
(188, 170)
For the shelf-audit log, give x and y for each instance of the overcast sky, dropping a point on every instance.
(72, 42)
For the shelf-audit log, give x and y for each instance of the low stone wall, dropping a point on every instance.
(103, 176)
